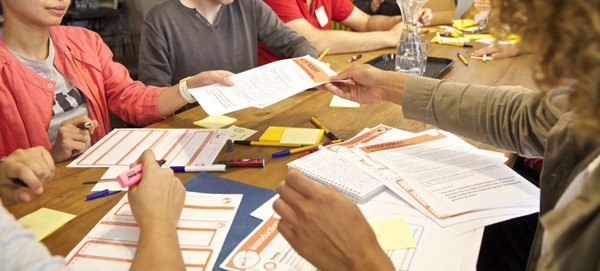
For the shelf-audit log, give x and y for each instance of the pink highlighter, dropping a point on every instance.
(133, 175)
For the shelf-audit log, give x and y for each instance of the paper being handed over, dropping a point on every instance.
(263, 86)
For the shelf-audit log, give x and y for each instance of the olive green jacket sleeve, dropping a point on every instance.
(530, 124)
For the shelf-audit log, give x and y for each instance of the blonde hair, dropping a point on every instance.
(565, 34)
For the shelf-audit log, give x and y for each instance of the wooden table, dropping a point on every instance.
(66, 192)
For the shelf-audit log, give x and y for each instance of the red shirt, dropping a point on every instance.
(289, 10)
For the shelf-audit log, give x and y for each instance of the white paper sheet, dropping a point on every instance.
(202, 228)
(179, 147)
(263, 86)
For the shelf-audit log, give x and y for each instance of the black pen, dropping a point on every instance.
(327, 132)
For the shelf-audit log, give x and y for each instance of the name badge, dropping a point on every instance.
(321, 16)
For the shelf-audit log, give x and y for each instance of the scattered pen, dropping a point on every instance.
(99, 181)
(213, 167)
(101, 194)
(84, 125)
(320, 125)
(353, 58)
(296, 150)
(457, 44)
(462, 58)
(318, 148)
(264, 143)
(323, 54)
(481, 57)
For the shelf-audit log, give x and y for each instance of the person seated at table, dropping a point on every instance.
(54, 77)
(181, 38)
(156, 203)
(312, 19)
(561, 123)
(479, 12)
(378, 7)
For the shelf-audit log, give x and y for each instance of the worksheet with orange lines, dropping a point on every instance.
(202, 228)
(179, 147)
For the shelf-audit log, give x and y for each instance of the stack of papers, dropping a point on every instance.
(453, 183)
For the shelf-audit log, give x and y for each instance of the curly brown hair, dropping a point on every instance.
(566, 37)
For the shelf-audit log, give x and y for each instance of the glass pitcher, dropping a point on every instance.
(411, 57)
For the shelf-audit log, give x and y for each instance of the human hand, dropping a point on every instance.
(210, 77)
(482, 5)
(33, 166)
(366, 84)
(498, 51)
(71, 140)
(158, 198)
(325, 227)
(425, 16)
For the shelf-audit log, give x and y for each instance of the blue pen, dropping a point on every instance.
(101, 194)
(296, 150)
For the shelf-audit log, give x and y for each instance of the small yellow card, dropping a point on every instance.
(393, 234)
(272, 134)
(44, 221)
(215, 121)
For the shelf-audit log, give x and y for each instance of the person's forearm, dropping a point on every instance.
(169, 100)
(340, 41)
(382, 23)
(392, 85)
(158, 249)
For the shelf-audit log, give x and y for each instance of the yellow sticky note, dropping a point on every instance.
(272, 134)
(303, 136)
(336, 101)
(215, 121)
(393, 234)
(44, 221)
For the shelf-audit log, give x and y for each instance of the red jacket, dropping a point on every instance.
(82, 57)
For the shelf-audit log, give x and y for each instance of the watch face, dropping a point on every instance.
(246, 259)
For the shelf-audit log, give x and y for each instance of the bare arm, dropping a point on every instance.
(340, 41)
(170, 99)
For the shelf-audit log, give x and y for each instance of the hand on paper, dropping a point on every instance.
(156, 203)
(210, 77)
(365, 84)
(71, 140)
(33, 166)
(159, 195)
(498, 51)
(325, 227)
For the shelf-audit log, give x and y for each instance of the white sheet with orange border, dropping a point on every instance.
(451, 181)
(179, 147)
(202, 228)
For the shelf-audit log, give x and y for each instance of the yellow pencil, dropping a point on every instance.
(323, 54)
(462, 58)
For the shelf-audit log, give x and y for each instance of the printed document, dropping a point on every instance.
(179, 147)
(263, 86)
(202, 228)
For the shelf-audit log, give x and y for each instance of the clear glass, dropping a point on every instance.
(411, 57)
